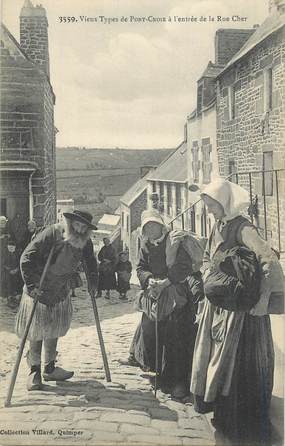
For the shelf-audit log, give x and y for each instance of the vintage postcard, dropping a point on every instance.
(142, 193)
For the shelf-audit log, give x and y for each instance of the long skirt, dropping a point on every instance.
(48, 322)
(123, 285)
(107, 280)
(243, 415)
(176, 336)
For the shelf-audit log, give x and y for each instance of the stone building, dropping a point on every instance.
(132, 204)
(169, 182)
(28, 187)
(202, 156)
(251, 123)
(62, 206)
(250, 147)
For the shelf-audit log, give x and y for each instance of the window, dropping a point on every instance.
(169, 199)
(16, 139)
(199, 99)
(123, 223)
(232, 171)
(268, 89)
(127, 223)
(161, 196)
(195, 162)
(193, 219)
(232, 102)
(153, 186)
(178, 199)
(267, 188)
(204, 222)
(206, 163)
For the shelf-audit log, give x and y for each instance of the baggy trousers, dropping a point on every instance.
(35, 352)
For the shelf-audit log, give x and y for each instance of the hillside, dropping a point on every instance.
(80, 158)
(97, 178)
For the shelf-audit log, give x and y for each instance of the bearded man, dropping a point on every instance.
(71, 242)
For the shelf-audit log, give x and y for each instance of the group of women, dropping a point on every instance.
(226, 360)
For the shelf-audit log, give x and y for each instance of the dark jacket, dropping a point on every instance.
(234, 280)
(36, 253)
(152, 263)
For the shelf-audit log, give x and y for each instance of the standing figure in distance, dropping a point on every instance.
(124, 272)
(107, 278)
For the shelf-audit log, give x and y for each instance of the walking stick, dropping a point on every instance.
(98, 326)
(156, 349)
(7, 402)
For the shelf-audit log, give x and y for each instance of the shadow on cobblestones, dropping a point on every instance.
(7, 316)
(94, 395)
(82, 309)
(108, 309)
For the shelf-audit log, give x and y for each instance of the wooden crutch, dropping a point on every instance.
(156, 348)
(98, 326)
(7, 402)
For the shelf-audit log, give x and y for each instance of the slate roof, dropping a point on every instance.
(18, 56)
(272, 23)
(109, 219)
(212, 70)
(174, 168)
(135, 191)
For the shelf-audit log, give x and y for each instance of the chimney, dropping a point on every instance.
(34, 34)
(276, 6)
(228, 42)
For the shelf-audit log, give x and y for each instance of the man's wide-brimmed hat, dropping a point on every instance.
(82, 216)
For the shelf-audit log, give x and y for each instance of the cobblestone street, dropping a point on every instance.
(87, 409)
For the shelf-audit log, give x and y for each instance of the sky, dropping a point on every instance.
(130, 83)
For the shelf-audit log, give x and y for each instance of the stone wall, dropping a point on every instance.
(256, 127)
(137, 207)
(45, 205)
(27, 126)
(34, 35)
(125, 225)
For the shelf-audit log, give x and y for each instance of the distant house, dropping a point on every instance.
(201, 147)
(169, 182)
(108, 222)
(64, 205)
(133, 203)
(108, 226)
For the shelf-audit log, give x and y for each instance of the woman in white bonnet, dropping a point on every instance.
(233, 371)
(177, 330)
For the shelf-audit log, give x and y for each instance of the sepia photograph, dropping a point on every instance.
(142, 194)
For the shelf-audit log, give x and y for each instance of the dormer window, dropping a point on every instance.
(195, 161)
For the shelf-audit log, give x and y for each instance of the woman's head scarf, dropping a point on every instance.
(234, 198)
(151, 215)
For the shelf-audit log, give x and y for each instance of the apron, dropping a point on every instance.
(51, 322)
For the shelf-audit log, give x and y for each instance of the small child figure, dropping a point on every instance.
(124, 272)
(12, 277)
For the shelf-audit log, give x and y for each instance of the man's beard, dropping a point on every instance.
(74, 238)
